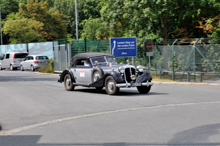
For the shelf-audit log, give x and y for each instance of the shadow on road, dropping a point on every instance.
(121, 92)
(26, 78)
(32, 140)
(198, 135)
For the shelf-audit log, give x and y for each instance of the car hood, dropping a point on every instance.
(115, 67)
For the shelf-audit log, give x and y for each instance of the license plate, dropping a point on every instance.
(135, 84)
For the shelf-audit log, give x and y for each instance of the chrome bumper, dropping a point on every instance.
(135, 84)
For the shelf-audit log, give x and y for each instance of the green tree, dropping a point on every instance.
(112, 15)
(91, 8)
(95, 29)
(25, 31)
(51, 21)
(7, 7)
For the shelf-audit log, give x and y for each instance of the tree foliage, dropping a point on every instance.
(144, 19)
(36, 22)
(95, 29)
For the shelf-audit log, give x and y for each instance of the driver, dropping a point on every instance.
(87, 63)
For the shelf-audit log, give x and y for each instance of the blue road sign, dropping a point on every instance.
(123, 47)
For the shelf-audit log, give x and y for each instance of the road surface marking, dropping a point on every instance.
(16, 130)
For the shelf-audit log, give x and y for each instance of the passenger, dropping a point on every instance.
(87, 63)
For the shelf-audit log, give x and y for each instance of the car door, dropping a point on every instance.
(82, 73)
(30, 62)
(25, 63)
(6, 61)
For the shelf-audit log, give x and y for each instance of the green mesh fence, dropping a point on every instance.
(188, 60)
(177, 59)
(104, 46)
(90, 46)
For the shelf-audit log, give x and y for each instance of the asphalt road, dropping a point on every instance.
(35, 110)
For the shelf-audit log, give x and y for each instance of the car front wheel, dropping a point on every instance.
(110, 86)
(68, 83)
(143, 89)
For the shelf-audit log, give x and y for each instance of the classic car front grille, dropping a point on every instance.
(128, 73)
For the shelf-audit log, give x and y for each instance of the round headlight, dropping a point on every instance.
(140, 68)
(133, 77)
(121, 69)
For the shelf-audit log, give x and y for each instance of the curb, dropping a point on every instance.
(185, 83)
(51, 74)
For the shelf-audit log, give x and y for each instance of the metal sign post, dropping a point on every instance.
(149, 54)
(148, 44)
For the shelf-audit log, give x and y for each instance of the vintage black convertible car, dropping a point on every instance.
(102, 70)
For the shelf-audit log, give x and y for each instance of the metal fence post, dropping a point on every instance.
(59, 55)
(201, 77)
(66, 53)
(173, 76)
(188, 77)
(69, 53)
(85, 44)
(160, 74)
(155, 56)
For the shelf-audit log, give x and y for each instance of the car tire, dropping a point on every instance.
(143, 89)
(1, 67)
(32, 68)
(110, 86)
(97, 73)
(68, 83)
(11, 68)
(21, 68)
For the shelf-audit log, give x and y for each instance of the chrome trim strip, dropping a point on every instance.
(129, 84)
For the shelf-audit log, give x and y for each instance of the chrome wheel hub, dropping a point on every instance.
(68, 82)
(110, 86)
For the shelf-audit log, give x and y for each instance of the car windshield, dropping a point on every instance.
(104, 60)
(111, 59)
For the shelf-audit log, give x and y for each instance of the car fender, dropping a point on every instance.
(101, 82)
(145, 76)
(117, 77)
(66, 71)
